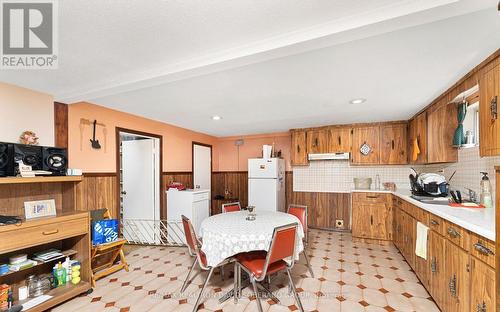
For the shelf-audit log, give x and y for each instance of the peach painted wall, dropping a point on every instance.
(177, 142)
(232, 160)
(24, 109)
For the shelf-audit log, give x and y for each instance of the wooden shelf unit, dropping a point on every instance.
(19, 180)
(69, 231)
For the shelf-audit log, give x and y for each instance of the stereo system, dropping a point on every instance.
(52, 159)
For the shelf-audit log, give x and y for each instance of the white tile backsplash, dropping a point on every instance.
(337, 176)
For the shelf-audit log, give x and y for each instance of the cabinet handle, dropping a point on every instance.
(481, 307)
(50, 232)
(298, 148)
(340, 140)
(433, 265)
(483, 249)
(315, 142)
(371, 196)
(392, 144)
(434, 222)
(371, 220)
(494, 108)
(453, 285)
(453, 233)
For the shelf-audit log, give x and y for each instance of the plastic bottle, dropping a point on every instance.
(60, 275)
(67, 267)
(485, 196)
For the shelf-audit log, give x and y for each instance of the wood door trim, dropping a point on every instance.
(117, 173)
(61, 125)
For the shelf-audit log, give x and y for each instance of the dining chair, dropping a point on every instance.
(300, 211)
(231, 207)
(194, 248)
(259, 264)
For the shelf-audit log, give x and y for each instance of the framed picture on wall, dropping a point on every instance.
(39, 208)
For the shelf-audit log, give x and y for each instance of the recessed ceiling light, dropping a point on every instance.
(357, 101)
(216, 117)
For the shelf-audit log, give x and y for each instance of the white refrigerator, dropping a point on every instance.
(266, 184)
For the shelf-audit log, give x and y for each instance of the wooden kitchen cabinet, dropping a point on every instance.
(371, 136)
(489, 94)
(371, 216)
(393, 142)
(298, 153)
(437, 276)
(417, 130)
(482, 281)
(339, 140)
(441, 125)
(457, 272)
(317, 141)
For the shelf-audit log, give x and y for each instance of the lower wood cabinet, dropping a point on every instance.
(482, 295)
(437, 275)
(457, 272)
(372, 216)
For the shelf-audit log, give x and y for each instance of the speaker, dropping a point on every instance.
(55, 160)
(7, 168)
(29, 154)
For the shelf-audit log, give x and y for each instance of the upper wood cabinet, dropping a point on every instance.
(371, 136)
(489, 96)
(441, 125)
(317, 141)
(339, 140)
(393, 141)
(417, 129)
(298, 153)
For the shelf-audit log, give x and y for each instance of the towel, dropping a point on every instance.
(416, 150)
(421, 244)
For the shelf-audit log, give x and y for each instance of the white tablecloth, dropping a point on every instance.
(227, 234)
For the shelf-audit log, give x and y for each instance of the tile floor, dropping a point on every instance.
(349, 276)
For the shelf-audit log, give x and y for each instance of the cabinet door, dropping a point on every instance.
(378, 218)
(339, 140)
(409, 239)
(457, 278)
(438, 286)
(393, 140)
(371, 136)
(441, 125)
(418, 131)
(489, 93)
(361, 220)
(482, 296)
(317, 141)
(298, 153)
(422, 267)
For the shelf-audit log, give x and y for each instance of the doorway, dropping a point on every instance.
(139, 162)
(202, 166)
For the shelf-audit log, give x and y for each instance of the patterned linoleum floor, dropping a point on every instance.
(349, 276)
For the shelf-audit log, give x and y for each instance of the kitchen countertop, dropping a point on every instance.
(479, 221)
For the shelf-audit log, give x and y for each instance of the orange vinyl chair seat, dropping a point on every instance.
(254, 262)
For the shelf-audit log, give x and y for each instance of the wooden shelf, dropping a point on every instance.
(19, 180)
(59, 295)
(66, 253)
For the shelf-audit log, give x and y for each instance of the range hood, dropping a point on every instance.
(329, 156)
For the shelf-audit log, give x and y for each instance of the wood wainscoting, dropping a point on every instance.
(324, 209)
(97, 191)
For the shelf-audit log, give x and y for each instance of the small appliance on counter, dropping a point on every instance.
(429, 184)
(176, 185)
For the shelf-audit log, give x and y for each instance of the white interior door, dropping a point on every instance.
(139, 188)
(202, 167)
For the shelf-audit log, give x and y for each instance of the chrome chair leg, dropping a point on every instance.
(201, 292)
(256, 291)
(308, 264)
(184, 285)
(297, 299)
(235, 285)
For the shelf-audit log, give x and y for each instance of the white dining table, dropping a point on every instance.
(228, 234)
